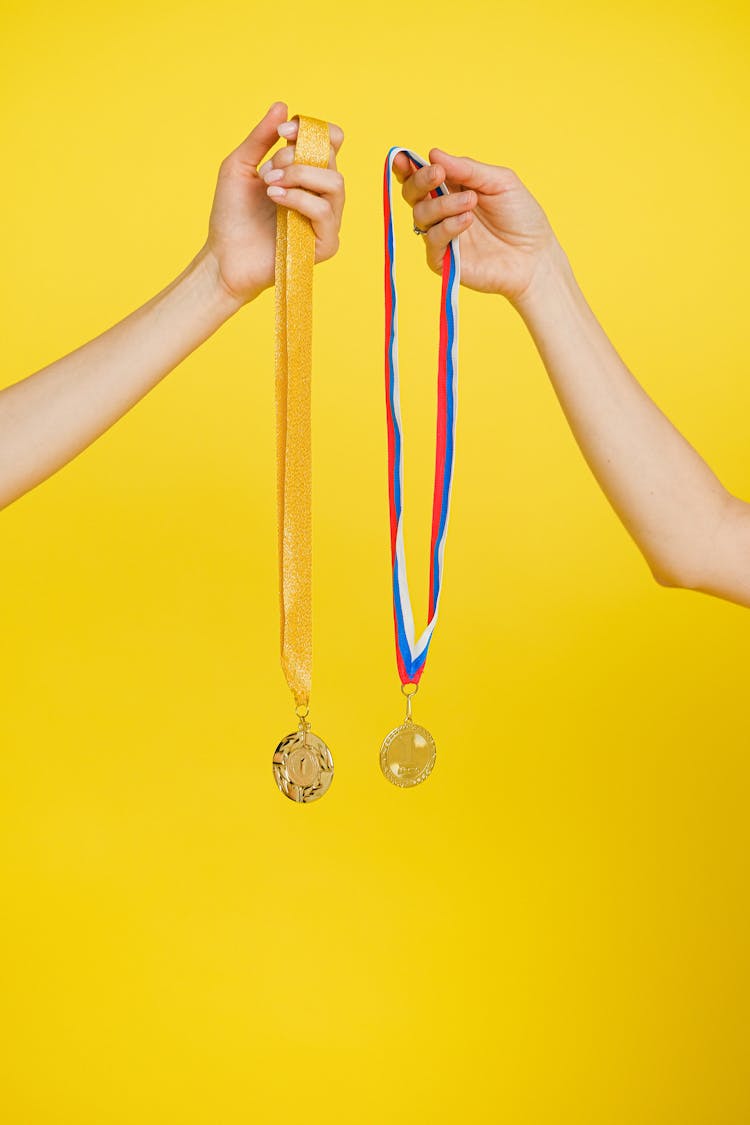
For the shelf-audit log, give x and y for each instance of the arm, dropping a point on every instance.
(49, 417)
(692, 532)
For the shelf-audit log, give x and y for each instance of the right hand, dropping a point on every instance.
(504, 233)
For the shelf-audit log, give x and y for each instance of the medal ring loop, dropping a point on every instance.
(302, 710)
(409, 696)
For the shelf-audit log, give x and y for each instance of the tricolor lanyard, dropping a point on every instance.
(411, 654)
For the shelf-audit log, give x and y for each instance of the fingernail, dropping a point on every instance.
(276, 192)
(288, 129)
(264, 168)
(274, 175)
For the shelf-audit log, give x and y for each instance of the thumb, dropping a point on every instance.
(263, 137)
(463, 170)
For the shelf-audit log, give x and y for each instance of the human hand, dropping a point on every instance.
(242, 228)
(504, 233)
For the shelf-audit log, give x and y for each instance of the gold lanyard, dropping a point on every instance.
(302, 763)
(295, 258)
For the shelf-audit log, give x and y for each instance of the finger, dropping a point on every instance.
(337, 137)
(424, 180)
(488, 178)
(264, 136)
(323, 181)
(284, 158)
(438, 237)
(430, 211)
(289, 131)
(402, 167)
(317, 209)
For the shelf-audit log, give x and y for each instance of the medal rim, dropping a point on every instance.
(424, 773)
(288, 744)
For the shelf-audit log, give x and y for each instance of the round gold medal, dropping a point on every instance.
(303, 766)
(407, 755)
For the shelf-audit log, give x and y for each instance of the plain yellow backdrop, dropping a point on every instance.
(554, 929)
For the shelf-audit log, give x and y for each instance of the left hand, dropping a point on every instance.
(505, 237)
(242, 227)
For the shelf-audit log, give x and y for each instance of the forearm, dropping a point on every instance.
(667, 497)
(49, 417)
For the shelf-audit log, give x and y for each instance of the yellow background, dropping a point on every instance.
(555, 927)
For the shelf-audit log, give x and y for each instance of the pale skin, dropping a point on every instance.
(692, 532)
(47, 418)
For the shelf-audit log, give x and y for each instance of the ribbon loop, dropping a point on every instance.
(411, 654)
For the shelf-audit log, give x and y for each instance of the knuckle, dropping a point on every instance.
(289, 178)
(319, 208)
(507, 177)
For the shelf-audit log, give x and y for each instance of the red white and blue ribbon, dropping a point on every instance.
(411, 654)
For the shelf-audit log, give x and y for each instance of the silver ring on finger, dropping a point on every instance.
(418, 230)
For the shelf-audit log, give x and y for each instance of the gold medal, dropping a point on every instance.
(302, 765)
(408, 753)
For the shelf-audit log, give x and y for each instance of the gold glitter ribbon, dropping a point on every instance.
(295, 258)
